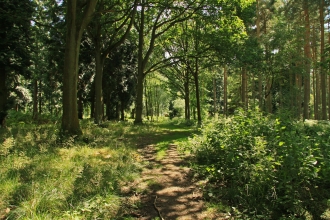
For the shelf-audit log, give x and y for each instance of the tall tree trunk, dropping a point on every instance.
(3, 95)
(122, 112)
(214, 97)
(196, 79)
(76, 24)
(244, 89)
(225, 99)
(298, 94)
(92, 99)
(35, 99)
(40, 97)
(322, 72)
(187, 96)
(151, 104)
(140, 73)
(269, 96)
(157, 101)
(328, 76)
(186, 76)
(80, 105)
(316, 78)
(98, 115)
(146, 98)
(307, 54)
(260, 95)
(292, 89)
(196, 76)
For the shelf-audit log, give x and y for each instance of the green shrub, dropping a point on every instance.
(266, 168)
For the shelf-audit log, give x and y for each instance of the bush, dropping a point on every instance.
(266, 168)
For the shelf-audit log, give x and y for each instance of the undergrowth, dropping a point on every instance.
(43, 176)
(264, 167)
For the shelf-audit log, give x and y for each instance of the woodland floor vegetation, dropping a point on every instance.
(266, 167)
(46, 176)
(250, 166)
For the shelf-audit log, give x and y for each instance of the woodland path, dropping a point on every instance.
(166, 189)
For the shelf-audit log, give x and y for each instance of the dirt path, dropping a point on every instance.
(166, 189)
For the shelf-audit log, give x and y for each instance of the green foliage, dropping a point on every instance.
(43, 176)
(266, 168)
(46, 176)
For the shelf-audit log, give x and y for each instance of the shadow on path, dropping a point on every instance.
(166, 189)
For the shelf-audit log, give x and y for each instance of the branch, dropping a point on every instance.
(156, 66)
(124, 36)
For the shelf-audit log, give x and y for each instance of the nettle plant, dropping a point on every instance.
(267, 167)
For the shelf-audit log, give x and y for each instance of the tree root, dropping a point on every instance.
(160, 216)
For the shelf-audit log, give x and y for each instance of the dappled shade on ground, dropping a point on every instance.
(167, 189)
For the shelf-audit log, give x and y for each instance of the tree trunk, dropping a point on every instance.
(260, 95)
(75, 28)
(146, 99)
(187, 95)
(298, 95)
(214, 97)
(329, 77)
(98, 115)
(122, 112)
(307, 54)
(40, 97)
(3, 95)
(92, 99)
(225, 96)
(118, 108)
(35, 99)
(244, 89)
(140, 74)
(316, 78)
(322, 72)
(196, 78)
(80, 106)
(269, 97)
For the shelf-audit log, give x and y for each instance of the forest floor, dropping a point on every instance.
(167, 189)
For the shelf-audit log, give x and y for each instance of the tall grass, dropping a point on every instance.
(46, 176)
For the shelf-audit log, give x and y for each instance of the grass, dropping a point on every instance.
(45, 177)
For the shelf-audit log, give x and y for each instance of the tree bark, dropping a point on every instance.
(98, 114)
(187, 95)
(225, 96)
(244, 89)
(3, 95)
(315, 78)
(80, 106)
(329, 77)
(214, 97)
(40, 97)
(92, 99)
(260, 95)
(198, 105)
(298, 95)
(322, 72)
(146, 98)
(307, 54)
(76, 24)
(269, 97)
(140, 74)
(122, 112)
(35, 99)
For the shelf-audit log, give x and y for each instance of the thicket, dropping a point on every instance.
(266, 167)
